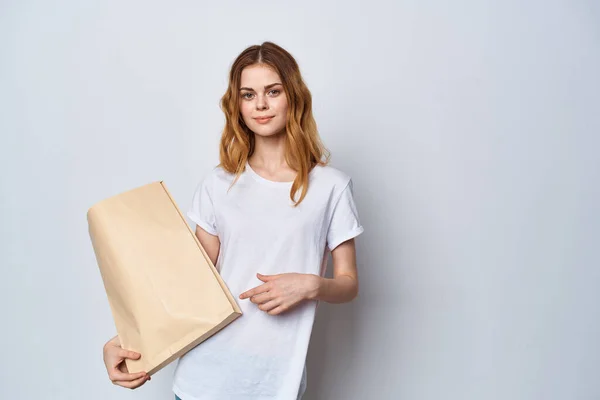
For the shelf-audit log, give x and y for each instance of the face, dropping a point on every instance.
(262, 95)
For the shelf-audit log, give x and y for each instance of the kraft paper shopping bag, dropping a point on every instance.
(165, 295)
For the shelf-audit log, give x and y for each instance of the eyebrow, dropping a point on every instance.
(266, 87)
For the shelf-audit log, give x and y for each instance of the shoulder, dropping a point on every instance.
(213, 180)
(328, 176)
(217, 175)
(331, 181)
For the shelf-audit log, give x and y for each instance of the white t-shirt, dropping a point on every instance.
(260, 356)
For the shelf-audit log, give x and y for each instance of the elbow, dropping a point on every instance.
(353, 291)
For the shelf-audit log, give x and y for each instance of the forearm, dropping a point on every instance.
(341, 289)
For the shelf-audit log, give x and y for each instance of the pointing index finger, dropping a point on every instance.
(254, 291)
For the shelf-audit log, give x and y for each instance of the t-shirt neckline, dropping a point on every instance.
(259, 178)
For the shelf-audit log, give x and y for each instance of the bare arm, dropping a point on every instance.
(282, 292)
(210, 243)
(343, 287)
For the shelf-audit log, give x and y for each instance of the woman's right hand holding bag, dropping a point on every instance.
(114, 360)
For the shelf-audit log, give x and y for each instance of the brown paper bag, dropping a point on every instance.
(165, 294)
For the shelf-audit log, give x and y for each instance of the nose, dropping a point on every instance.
(261, 103)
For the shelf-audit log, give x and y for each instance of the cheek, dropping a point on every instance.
(245, 110)
(281, 105)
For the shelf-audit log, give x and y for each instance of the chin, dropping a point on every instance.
(266, 131)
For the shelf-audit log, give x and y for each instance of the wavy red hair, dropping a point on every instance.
(304, 148)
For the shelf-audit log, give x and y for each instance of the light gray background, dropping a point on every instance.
(470, 129)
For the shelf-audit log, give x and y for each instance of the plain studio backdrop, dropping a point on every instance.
(470, 129)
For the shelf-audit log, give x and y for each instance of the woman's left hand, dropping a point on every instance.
(282, 292)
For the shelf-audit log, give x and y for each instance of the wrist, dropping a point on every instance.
(315, 286)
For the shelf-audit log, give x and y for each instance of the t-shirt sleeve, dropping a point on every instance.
(202, 209)
(345, 223)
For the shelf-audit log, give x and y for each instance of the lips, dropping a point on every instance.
(263, 120)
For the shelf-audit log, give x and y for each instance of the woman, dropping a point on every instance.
(267, 216)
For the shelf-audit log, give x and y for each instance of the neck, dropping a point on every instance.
(269, 151)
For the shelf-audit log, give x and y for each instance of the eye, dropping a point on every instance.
(245, 95)
(277, 91)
